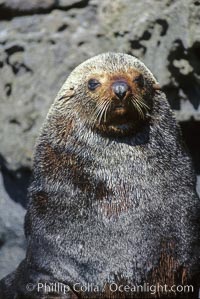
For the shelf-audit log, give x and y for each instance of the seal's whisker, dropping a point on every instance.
(98, 110)
(141, 102)
(138, 108)
(102, 112)
(144, 105)
(108, 105)
(135, 105)
(104, 109)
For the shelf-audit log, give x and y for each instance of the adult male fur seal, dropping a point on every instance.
(112, 201)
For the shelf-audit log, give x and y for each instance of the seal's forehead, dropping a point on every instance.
(108, 62)
(111, 63)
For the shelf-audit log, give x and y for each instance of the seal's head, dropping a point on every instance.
(111, 92)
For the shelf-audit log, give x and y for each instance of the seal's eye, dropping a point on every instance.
(93, 84)
(139, 80)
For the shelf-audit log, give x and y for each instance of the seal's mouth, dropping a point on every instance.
(120, 106)
(119, 109)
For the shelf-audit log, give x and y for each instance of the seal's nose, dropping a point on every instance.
(120, 88)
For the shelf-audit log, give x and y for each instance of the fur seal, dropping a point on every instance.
(112, 203)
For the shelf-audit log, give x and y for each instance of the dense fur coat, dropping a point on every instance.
(110, 207)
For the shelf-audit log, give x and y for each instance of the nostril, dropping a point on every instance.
(120, 89)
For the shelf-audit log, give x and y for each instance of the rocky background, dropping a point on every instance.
(42, 41)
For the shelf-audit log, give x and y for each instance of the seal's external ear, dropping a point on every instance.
(156, 86)
(68, 94)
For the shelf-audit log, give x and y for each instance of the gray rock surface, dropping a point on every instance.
(198, 184)
(12, 241)
(26, 6)
(42, 41)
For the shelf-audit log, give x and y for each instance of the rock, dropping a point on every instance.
(15, 182)
(198, 184)
(24, 6)
(12, 241)
(72, 3)
(183, 65)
